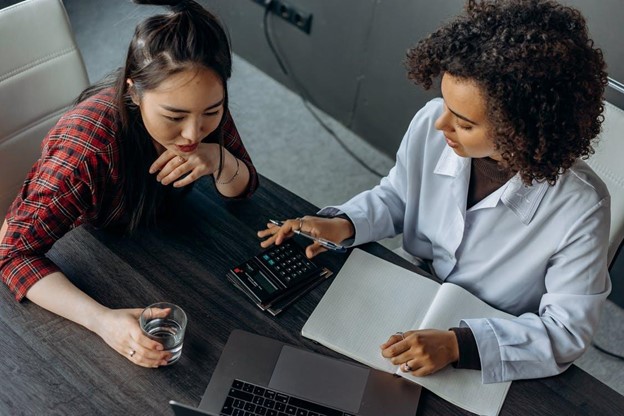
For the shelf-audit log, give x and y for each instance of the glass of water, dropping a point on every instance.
(165, 322)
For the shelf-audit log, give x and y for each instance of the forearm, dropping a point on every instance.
(234, 177)
(58, 295)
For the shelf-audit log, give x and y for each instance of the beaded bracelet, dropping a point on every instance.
(233, 177)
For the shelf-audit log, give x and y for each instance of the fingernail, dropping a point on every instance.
(159, 347)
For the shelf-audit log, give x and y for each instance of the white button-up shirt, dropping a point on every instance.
(538, 252)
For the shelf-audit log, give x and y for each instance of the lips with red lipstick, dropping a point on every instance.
(187, 149)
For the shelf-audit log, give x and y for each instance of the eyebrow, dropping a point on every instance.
(462, 117)
(180, 110)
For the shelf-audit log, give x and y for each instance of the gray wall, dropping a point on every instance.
(352, 62)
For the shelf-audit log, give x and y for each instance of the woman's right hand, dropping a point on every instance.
(120, 329)
(333, 229)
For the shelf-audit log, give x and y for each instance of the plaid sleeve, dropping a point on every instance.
(53, 199)
(60, 192)
(232, 141)
(50, 204)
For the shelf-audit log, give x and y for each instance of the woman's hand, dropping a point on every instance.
(422, 352)
(332, 229)
(120, 329)
(171, 167)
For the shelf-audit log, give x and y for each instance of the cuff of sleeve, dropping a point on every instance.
(468, 352)
(25, 273)
(487, 344)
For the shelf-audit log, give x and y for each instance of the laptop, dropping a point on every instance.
(257, 375)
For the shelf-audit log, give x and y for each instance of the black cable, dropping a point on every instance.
(612, 354)
(303, 93)
(265, 27)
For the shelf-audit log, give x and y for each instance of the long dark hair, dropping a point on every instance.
(187, 37)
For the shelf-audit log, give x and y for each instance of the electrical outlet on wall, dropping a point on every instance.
(290, 13)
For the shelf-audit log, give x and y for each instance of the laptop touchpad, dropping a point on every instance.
(319, 378)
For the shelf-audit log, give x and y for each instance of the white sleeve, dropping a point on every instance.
(546, 343)
(380, 212)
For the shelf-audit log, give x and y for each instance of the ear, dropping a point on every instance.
(132, 91)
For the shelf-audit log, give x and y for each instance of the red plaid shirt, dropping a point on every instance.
(76, 180)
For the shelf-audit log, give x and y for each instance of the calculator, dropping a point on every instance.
(275, 272)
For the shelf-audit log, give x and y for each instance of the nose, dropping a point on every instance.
(443, 123)
(192, 130)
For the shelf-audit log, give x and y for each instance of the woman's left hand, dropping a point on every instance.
(171, 167)
(422, 352)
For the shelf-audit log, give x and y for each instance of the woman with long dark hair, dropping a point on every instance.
(131, 145)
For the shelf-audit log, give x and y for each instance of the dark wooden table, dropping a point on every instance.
(51, 366)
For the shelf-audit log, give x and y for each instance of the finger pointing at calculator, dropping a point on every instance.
(326, 233)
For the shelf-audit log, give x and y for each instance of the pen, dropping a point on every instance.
(325, 243)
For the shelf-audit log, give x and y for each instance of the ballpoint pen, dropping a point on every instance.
(325, 243)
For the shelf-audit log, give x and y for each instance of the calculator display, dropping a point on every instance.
(264, 282)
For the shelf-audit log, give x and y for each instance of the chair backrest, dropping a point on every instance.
(608, 163)
(41, 73)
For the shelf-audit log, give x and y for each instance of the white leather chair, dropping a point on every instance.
(608, 163)
(41, 73)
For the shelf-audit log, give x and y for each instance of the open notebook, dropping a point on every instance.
(370, 299)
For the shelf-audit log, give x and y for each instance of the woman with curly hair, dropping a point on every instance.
(490, 189)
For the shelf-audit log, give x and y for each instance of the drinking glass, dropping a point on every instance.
(166, 323)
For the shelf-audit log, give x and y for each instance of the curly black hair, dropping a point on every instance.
(540, 72)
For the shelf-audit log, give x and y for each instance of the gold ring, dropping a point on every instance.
(300, 224)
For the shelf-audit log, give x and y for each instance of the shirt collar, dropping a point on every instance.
(450, 164)
(522, 200)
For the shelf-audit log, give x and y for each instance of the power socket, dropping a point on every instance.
(290, 13)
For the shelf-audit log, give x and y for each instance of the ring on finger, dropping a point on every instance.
(182, 160)
(400, 334)
(300, 223)
(407, 367)
(132, 352)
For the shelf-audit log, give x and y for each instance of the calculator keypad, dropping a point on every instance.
(287, 262)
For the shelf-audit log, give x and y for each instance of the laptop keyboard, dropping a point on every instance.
(247, 399)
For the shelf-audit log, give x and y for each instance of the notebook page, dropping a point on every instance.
(462, 387)
(455, 303)
(369, 300)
